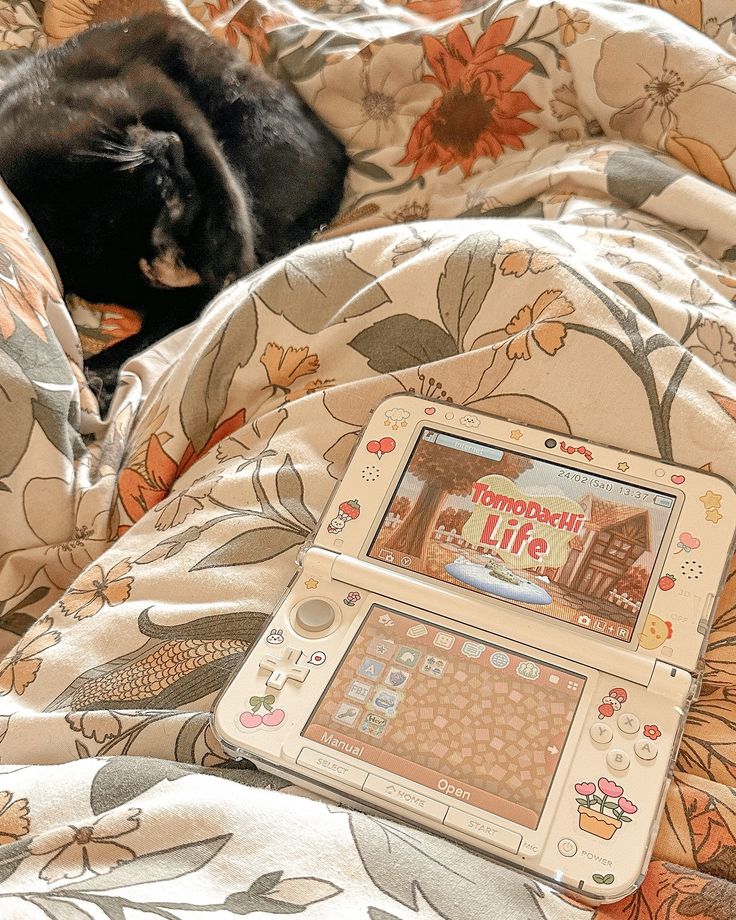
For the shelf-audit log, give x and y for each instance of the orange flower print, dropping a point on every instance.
(143, 485)
(93, 589)
(519, 258)
(572, 23)
(435, 9)
(477, 113)
(284, 367)
(716, 347)
(92, 848)
(26, 282)
(541, 323)
(18, 669)
(100, 726)
(227, 23)
(13, 818)
(141, 489)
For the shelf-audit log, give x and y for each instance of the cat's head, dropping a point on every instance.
(123, 208)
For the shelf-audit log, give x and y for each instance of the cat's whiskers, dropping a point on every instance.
(125, 156)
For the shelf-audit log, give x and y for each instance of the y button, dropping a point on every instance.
(283, 667)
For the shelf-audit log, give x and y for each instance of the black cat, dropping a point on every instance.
(158, 166)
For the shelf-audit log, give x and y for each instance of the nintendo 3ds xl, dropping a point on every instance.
(495, 633)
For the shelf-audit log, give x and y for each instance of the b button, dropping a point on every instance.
(618, 760)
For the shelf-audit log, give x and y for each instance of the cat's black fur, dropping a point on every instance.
(158, 166)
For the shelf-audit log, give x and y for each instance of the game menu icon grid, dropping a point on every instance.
(479, 721)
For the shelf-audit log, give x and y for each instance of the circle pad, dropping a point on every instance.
(314, 616)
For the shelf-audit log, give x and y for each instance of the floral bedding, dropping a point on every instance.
(539, 223)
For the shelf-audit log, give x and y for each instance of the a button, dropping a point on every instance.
(314, 616)
(484, 830)
(567, 847)
(601, 733)
(323, 763)
(413, 801)
(628, 723)
(283, 667)
(646, 750)
(618, 760)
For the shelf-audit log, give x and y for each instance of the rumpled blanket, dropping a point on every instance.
(540, 223)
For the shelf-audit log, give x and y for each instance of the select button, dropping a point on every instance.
(323, 763)
(484, 830)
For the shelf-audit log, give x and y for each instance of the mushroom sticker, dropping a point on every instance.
(612, 703)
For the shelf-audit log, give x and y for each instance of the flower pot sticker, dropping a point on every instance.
(603, 810)
(593, 822)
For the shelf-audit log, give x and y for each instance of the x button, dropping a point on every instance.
(628, 723)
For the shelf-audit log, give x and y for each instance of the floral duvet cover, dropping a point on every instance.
(540, 223)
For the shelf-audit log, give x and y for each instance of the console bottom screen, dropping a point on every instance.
(473, 720)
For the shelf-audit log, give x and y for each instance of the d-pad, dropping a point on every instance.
(283, 667)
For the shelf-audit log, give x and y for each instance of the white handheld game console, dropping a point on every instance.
(496, 634)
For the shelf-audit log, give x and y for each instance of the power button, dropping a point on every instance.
(567, 847)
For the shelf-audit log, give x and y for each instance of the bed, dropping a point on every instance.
(539, 222)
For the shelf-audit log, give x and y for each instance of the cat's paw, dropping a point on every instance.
(226, 246)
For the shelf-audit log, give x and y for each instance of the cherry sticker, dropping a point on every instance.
(379, 448)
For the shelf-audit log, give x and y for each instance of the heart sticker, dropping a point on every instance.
(688, 540)
(677, 479)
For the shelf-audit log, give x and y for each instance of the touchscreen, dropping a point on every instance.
(473, 720)
(560, 541)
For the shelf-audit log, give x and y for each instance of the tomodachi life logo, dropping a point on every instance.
(523, 530)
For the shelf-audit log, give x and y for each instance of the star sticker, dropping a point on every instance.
(711, 500)
(623, 466)
(310, 584)
(713, 515)
(516, 435)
